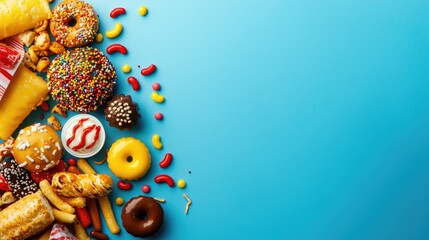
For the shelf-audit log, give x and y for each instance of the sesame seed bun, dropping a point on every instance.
(37, 148)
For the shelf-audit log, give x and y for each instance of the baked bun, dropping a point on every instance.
(37, 148)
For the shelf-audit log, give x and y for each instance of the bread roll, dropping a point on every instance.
(37, 148)
(24, 92)
(82, 185)
(17, 16)
(26, 217)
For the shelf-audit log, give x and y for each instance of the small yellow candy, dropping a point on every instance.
(116, 31)
(126, 68)
(156, 141)
(99, 38)
(142, 11)
(119, 201)
(181, 183)
(157, 98)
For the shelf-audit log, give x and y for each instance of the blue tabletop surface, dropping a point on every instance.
(287, 119)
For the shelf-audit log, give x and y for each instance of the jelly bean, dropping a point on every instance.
(157, 98)
(156, 141)
(156, 86)
(72, 162)
(98, 235)
(117, 11)
(134, 83)
(166, 161)
(124, 185)
(163, 178)
(159, 116)
(146, 188)
(119, 201)
(149, 70)
(126, 68)
(116, 31)
(99, 38)
(142, 11)
(116, 48)
(45, 106)
(181, 183)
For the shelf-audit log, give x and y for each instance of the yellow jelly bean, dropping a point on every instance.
(99, 38)
(181, 183)
(143, 11)
(156, 141)
(117, 29)
(126, 68)
(119, 201)
(157, 98)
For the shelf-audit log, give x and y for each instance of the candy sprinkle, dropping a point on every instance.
(81, 79)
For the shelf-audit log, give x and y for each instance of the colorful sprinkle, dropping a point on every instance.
(156, 86)
(146, 188)
(181, 183)
(159, 116)
(142, 11)
(99, 38)
(119, 201)
(126, 68)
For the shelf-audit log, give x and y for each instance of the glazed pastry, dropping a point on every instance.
(82, 185)
(121, 112)
(129, 158)
(81, 79)
(26, 217)
(19, 179)
(37, 148)
(16, 16)
(23, 93)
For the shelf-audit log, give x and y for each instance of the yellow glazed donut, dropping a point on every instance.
(128, 158)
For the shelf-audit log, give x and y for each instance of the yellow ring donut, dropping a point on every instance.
(128, 158)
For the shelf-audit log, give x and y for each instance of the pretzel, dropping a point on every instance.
(60, 110)
(41, 26)
(56, 48)
(43, 64)
(32, 54)
(54, 122)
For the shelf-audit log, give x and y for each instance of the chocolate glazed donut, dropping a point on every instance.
(142, 216)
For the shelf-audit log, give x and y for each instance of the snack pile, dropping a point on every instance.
(49, 188)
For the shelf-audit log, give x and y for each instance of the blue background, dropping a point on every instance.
(297, 119)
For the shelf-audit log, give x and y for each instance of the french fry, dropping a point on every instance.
(53, 197)
(106, 207)
(46, 234)
(84, 166)
(94, 214)
(63, 217)
(80, 231)
(78, 202)
(107, 211)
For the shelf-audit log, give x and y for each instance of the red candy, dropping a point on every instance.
(41, 117)
(159, 116)
(156, 86)
(164, 178)
(124, 185)
(117, 11)
(146, 189)
(116, 48)
(72, 162)
(40, 176)
(149, 70)
(166, 161)
(134, 83)
(4, 186)
(8, 57)
(83, 215)
(45, 106)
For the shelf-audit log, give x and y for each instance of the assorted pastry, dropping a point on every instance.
(41, 195)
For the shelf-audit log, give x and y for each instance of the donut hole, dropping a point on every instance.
(129, 159)
(141, 216)
(72, 22)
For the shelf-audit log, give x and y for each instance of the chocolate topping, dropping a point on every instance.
(121, 112)
(19, 179)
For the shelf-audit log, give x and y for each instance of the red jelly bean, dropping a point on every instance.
(159, 116)
(45, 106)
(72, 162)
(146, 189)
(116, 48)
(164, 178)
(117, 11)
(134, 83)
(124, 185)
(156, 86)
(166, 161)
(149, 70)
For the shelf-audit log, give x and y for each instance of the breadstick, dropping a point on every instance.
(80, 231)
(84, 166)
(53, 197)
(64, 217)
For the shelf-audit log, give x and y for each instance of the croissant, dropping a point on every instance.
(82, 185)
